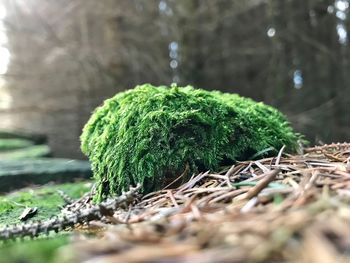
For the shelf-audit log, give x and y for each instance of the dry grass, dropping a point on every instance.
(281, 209)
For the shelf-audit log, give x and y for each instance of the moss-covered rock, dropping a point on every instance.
(149, 134)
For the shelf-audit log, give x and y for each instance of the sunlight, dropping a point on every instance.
(2, 12)
(5, 97)
(271, 32)
(4, 60)
(4, 52)
(341, 7)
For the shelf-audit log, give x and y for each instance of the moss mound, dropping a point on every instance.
(149, 135)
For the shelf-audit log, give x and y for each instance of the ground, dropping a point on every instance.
(49, 203)
(287, 208)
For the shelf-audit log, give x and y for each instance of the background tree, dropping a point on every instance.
(68, 56)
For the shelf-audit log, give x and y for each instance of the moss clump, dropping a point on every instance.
(149, 134)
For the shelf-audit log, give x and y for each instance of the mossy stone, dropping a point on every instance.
(149, 135)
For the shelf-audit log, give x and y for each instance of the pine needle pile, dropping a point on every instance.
(287, 208)
(151, 135)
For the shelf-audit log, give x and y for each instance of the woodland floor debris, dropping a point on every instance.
(289, 208)
(46, 199)
(68, 220)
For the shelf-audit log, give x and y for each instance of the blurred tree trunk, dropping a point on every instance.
(306, 41)
(68, 56)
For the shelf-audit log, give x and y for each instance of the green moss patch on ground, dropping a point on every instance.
(10, 144)
(42, 250)
(48, 201)
(149, 135)
(16, 174)
(33, 137)
(34, 151)
(45, 198)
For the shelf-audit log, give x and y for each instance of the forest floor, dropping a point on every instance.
(287, 208)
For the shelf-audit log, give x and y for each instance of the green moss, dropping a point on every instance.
(149, 135)
(45, 198)
(33, 251)
(42, 249)
(33, 151)
(10, 144)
